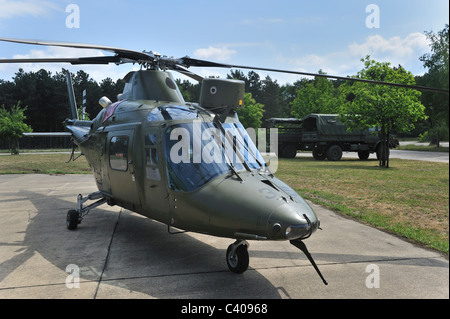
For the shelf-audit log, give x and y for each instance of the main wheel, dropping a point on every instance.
(237, 262)
(72, 219)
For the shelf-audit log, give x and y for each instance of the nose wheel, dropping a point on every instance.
(237, 256)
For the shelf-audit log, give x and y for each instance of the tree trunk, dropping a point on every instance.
(384, 149)
(14, 145)
(387, 149)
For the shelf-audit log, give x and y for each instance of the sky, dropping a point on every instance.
(308, 36)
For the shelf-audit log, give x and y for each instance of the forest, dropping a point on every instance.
(45, 94)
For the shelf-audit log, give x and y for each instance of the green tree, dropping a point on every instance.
(270, 97)
(318, 96)
(190, 92)
(437, 107)
(251, 113)
(12, 125)
(366, 105)
(288, 93)
(255, 85)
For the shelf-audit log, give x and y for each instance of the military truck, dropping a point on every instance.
(326, 137)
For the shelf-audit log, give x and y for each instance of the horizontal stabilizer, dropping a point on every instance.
(48, 134)
(80, 133)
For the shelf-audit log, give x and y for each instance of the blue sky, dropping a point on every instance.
(297, 35)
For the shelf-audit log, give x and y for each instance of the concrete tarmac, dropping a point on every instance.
(116, 253)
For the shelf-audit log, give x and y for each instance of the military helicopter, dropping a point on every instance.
(191, 166)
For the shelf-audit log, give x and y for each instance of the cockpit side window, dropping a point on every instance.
(197, 152)
(151, 158)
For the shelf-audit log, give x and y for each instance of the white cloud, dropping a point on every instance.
(312, 63)
(59, 52)
(219, 54)
(261, 21)
(10, 9)
(396, 50)
(393, 47)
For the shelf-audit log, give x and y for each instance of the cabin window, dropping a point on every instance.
(118, 153)
(151, 158)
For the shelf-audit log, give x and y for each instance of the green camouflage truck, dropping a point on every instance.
(326, 137)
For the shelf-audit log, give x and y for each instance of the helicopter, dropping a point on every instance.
(191, 166)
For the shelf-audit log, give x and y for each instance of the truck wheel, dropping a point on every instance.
(334, 153)
(363, 155)
(289, 151)
(319, 155)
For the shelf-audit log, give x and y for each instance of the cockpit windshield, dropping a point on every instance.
(197, 152)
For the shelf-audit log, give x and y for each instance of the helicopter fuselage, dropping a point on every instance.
(144, 157)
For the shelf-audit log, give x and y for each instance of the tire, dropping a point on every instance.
(318, 155)
(363, 155)
(72, 219)
(334, 153)
(238, 263)
(289, 151)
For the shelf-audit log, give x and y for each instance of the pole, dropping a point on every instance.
(83, 117)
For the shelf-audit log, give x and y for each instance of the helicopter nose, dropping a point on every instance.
(292, 221)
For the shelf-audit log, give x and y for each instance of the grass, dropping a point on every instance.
(42, 164)
(410, 199)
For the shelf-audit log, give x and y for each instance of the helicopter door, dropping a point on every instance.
(121, 167)
(156, 195)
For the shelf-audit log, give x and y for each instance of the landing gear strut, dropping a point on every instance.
(74, 217)
(237, 256)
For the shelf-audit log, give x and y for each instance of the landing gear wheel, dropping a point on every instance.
(238, 261)
(72, 219)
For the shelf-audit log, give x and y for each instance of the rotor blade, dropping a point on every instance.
(86, 60)
(130, 54)
(202, 63)
(188, 73)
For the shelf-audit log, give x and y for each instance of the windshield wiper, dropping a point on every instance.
(261, 165)
(230, 162)
(233, 169)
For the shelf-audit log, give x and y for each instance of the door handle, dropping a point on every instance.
(130, 164)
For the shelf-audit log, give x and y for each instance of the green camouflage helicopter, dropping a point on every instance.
(191, 166)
